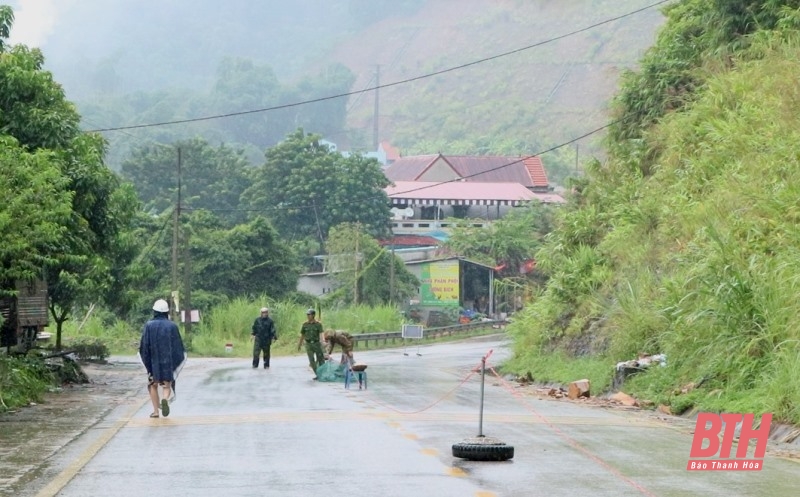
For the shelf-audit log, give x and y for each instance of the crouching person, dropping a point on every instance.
(344, 340)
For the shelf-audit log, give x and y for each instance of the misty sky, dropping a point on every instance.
(156, 44)
(35, 19)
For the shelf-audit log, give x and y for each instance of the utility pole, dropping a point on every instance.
(355, 282)
(391, 274)
(175, 240)
(376, 114)
(187, 289)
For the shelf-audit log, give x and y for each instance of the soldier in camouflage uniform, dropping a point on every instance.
(310, 333)
(341, 338)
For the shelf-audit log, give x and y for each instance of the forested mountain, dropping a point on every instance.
(128, 63)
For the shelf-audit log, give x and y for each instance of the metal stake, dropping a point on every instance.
(483, 376)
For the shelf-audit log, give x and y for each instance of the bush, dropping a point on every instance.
(118, 336)
(90, 349)
(22, 380)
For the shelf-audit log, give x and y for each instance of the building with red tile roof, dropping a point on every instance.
(464, 193)
(390, 153)
(527, 171)
(423, 207)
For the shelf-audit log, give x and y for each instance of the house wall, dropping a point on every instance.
(316, 284)
(416, 226)
(417, 254)
(415, 269)
(488, 212)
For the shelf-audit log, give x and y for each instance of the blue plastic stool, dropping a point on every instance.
(350, 375)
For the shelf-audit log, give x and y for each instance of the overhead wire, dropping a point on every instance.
(517, 161)
(156, 238)
(124, 129)
(386, 85)
(433, 185)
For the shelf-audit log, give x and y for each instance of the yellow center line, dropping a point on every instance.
(452, 471)
(392, 419)
(61, 480)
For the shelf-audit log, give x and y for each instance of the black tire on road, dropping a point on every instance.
(483, 452)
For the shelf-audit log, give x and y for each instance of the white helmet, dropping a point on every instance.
(161, 306)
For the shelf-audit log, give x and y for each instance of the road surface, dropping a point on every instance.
(238, 431)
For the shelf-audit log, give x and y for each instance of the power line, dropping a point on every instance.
(522, 159)
(387, 85)
(157, 237)
(517, 161)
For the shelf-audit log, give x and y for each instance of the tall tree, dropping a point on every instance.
(327, 116)
(363, 269)
(6, 20)
(509, 241)
(35, 112)
(243, 86)
(212, 178)
(305, 188)
(35, 211)
(248, 259)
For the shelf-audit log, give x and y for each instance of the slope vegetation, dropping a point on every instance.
(685, 241)
(517, 103)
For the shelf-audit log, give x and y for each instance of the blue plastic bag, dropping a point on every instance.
(330, 372)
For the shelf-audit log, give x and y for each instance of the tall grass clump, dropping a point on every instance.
(362, 318)
(232, 324)
(120, 337)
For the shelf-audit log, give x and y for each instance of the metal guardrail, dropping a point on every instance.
(438, 332)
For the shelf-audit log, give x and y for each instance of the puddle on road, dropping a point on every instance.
(223, 376)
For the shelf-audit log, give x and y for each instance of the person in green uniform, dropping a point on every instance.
(341, 338)
(310, 332)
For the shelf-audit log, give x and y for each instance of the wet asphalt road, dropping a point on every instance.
(235, 431)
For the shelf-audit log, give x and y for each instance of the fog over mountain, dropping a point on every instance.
(114, 56)
(155, 44)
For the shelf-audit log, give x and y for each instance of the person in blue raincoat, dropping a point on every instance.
(162, 352)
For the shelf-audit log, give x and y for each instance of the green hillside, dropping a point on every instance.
(685, 241)
(518, 103)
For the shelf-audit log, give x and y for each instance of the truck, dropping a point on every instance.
(24, 315)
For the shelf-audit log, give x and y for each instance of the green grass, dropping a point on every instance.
(559, 368)
(119, 337)
(22, 381)
(232, 323)
(686, 243)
